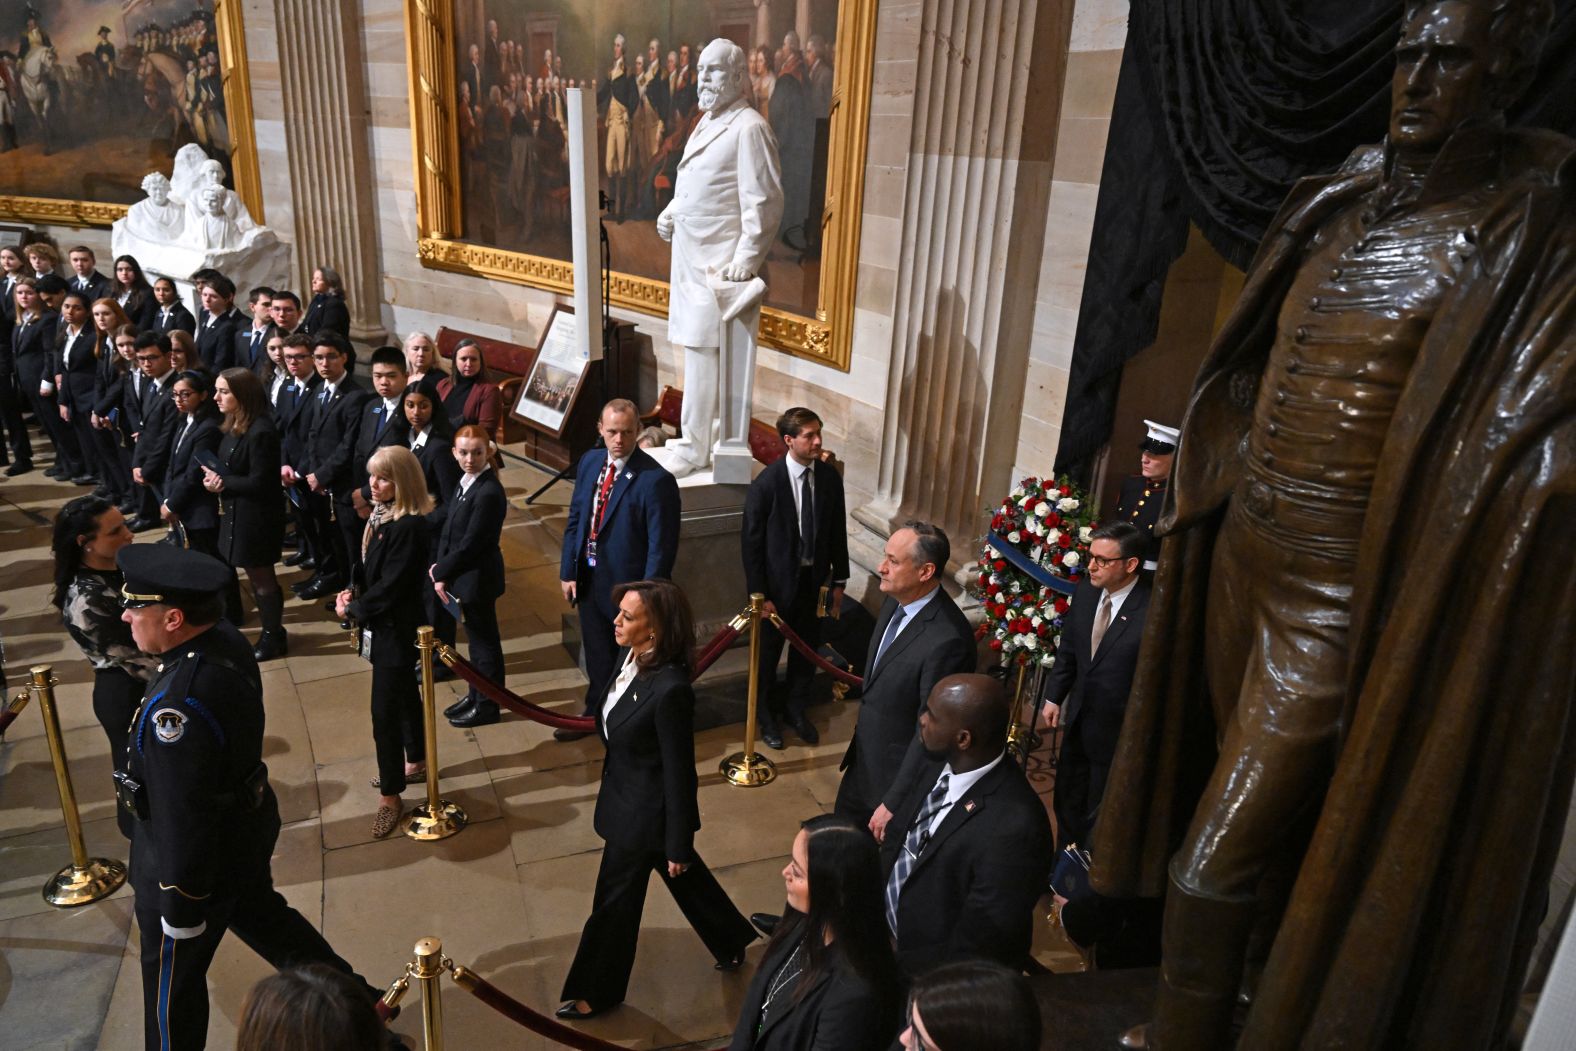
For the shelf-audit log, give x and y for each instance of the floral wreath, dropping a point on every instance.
(1035, 550)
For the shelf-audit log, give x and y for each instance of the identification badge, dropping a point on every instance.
(591, 552)
(364, 644)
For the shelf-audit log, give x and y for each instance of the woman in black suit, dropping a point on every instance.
(431, 440)
(185, 499)
(646, 811)
(829, 980)
(387, 601)
(114, 469)
(327, 311)
(132, 292)
(119, 381)
(468, 566)
(252, 516)
(75, 367)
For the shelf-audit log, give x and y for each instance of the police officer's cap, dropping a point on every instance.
(1159, 440)
(158, 573)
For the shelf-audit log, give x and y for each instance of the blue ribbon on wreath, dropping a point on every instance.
(1044, 577)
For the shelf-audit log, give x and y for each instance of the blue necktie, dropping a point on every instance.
(888, 635)
(914, 845)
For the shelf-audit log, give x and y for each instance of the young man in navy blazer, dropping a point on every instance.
(794, 542)
(623, 526)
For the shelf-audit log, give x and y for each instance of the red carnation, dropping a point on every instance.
(1061, 605)
(1064, 541)
(1000, 564)
(995, 644)
(1065, 491)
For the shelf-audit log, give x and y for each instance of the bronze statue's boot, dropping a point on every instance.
(1204, 943)
(1136, 1038)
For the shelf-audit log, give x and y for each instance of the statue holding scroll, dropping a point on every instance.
(727, 204)
(1366, 597)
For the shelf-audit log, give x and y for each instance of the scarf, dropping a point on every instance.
(381, 513)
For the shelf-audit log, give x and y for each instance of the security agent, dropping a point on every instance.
(1143, 494)
(193, 796)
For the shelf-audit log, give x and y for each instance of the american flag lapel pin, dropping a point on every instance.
(628, 476)
(968, 807)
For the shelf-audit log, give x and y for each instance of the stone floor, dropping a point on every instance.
(507, 895)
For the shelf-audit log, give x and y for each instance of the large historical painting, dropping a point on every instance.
(510, 64)
(94, 94)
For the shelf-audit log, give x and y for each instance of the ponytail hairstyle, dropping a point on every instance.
(78, 519)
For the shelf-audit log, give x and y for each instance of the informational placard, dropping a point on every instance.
(549, 391)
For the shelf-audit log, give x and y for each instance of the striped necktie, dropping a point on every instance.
(913, 845)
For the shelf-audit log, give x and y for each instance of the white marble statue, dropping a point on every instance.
(191, 221)
(727, 204)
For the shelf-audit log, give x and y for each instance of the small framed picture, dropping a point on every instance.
(548, 394)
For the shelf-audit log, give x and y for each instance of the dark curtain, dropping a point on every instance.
(1221, 105)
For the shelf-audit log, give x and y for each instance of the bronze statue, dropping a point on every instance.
(1366, 600)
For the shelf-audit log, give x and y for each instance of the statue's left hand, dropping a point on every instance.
(735, 272)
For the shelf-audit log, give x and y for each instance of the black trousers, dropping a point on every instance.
(115, 698)
(349, 528)
(397, 733)
(11, 419)
(596, 640)
(481, 628)
(315, 519)
(114, 471)
(30, 373)
(602, 965)
(81, 425)
(789, 704)
(1080, 785)
(175, 971)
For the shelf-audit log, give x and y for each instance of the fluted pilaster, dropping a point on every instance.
(331, 179)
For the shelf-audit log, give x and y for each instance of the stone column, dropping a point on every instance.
(978, 180)
(325, 125)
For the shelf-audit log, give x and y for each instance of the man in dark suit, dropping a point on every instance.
(251, 341)
(330, 429)
(218, 324)
(921, 637)
(623, 526)
(969, 849)
(150, 459)
(291, 417)
(85, 278)
(794, 542)
(285, 310)
(380, 422)
(1086, 692)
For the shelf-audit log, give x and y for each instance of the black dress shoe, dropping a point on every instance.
(317, 587)
(773, 738)
(482, 713)
(142, 525)
(84, 479)
(458, 708)
(55, 472)
(570, 735)
(271, 645)
(572, 1010)
(103, 493)
(18, 468)
(765, 922)
(296, 559)
(127, 507)
(806, 730)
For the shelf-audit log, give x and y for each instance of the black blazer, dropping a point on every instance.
(840, 1012)
(468, 559)
(331, 431)
(142, 309)
(79, 378)
(253, 523)
(183, 488)
(1093, 690)
(436, 457)
(36, 337)
(216, 341)
(98, 286)
(292, 417)
(326, 313)
(647, 798)
(241, 353)
(389, 590)
(374, 429)
(973, 890)
(108, 388)
(178, 318)
(886, 739)
(770, 540)
(159, 414)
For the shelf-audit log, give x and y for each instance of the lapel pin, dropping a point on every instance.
(627, 476)
(968, 806)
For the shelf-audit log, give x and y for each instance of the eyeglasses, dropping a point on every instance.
(1100, 561)
(182, 395)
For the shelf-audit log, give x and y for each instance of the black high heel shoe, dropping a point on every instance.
(731, 964)
(571, 1009)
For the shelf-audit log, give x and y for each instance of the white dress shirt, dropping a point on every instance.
(796, 476)
(958, 787)
(468, 480)
(70, 344)
(1118, 597)
(419, 438)
(626, 675)
(910, 610)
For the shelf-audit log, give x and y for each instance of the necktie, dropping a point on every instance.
(913, 845)
(164, 319)
(887, 636)
(806, 518)
(604, 487)
(1102, 621)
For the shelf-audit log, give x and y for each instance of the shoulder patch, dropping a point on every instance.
(169, 725)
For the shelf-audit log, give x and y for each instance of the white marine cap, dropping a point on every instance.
(1160, 439)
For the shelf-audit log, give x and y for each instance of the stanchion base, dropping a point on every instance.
(749, 771)
(424, 824)
(73, 886)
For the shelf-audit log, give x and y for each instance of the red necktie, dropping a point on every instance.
(605, 487)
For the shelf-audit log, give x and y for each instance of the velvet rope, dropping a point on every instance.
(511, 700)
(714, 649)
(846, 677)
(6, 719)
(520, 1014)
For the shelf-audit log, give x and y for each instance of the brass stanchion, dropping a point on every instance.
(749, 768)
(18, 702)
(428, 968)
(436, 818)
(86, 879)
(1018, 735)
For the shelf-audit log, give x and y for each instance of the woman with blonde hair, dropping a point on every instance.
(423, 365)
(386, 602)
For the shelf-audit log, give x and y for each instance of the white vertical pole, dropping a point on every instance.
(584, 208)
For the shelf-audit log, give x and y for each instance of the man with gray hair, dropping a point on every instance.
(726, 206)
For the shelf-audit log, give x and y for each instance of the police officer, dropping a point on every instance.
(194, 798)
(1143, 493)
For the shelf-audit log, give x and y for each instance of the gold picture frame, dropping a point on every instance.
(243, 150)
(827, 337)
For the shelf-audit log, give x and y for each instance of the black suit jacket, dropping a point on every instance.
(159, 414)
(973, 890)
(840, 1012)
(292, 417)
(331, 430)
(178, 318)
(389, 590)
(770, 537)
(468, 559)
(886, 746)
(216, 341)
(98, 286)
(1092, 690)
(36, 337)
(142, 309)
(326, 313)
(436, 457)
(79, 378)
(647, 798)
(374, 429)
(241, 354)
(183, 488)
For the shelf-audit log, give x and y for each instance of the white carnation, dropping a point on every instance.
(1070, 559)
(1017, 491)
(1052, 536)
(1085, 534)
(1014, 537)
(1042, 509)
(1037, 620)
(1067, 503)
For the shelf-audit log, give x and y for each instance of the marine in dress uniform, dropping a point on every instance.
(1143, 494)
(193, 796)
